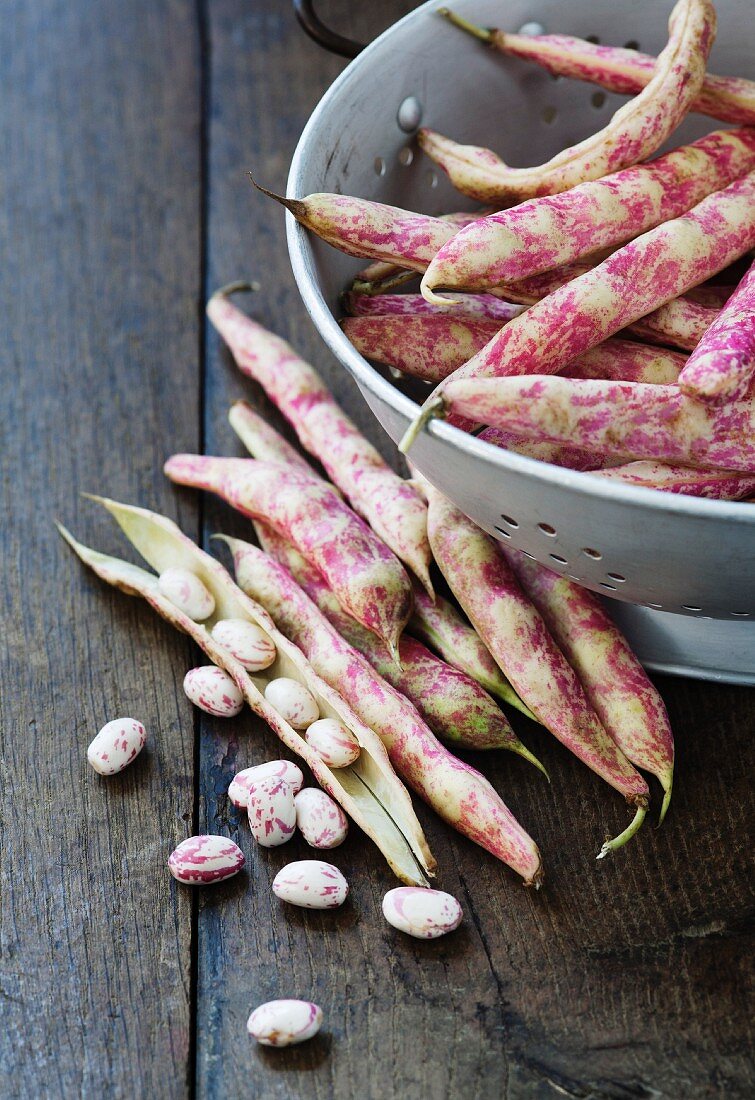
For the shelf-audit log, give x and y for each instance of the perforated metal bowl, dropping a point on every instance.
(680, 572)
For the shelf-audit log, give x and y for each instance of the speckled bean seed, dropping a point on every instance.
(184, 589)
(321, 821)
(201, 860)
(332, 741)
(424, 914)
(293, 702)
(248, 643)
(238, 790)
(311, 884)
(116, 745)
(283, 1023)
(272, 814)
(213, 691)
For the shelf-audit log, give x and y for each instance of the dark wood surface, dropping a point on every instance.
(127, 132)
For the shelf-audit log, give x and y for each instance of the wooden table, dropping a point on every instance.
(127, 132)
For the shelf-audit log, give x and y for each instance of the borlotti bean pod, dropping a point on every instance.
(678, 572)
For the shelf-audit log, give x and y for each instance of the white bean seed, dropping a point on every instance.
(293, 701)
(333, 742)
(246, 641)
(212, 690)
(272, 814)
(184, 589)
(283, 1023)
(424, 914)
(116, 745)
(201, 860)
(311, 884)
(321, 821)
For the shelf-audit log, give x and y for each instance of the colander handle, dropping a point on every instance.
(322, 35)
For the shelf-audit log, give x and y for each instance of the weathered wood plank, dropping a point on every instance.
(622, 979)
(99, 231)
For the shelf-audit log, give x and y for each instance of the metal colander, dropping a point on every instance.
(680, 572)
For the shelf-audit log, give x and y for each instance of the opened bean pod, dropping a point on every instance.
(369, 790)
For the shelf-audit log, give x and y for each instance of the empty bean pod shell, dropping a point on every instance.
(424, 914)
(283, 1023)
(293, 701)
(272, 814)
(238, 789)
(116, 745)
(321, 821)
(213, 691)
(311, 884)
(330, 739)
(184, 589)
(246, 641)
(201, 860)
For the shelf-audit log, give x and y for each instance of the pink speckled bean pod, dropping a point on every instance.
(270, 446)
(319, 819)
(427, 346)
(544, 233)
(615, 682)
(446, 632)
(459, 794)
(712, 484)
(453, 704)
(467, 307)
(644, 274)
(628, 419)
(433, 347)
(634, 133)
(722, 365)
(369, 580)
(627, 72)
(369, 791)
(379, 271)
(202, 860)
(389, 504)
(682, 322)
(361, 227)
(521, 643)
(572, 458)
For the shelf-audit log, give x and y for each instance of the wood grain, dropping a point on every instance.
(101, 277)
(129, 131)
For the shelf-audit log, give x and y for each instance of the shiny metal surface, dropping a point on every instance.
(689, 564)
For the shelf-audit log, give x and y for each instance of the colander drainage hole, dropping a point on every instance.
(598, 100)
(379, 166)
(548, 530)
(632, 44)
(690, 607)
(596, 555)
(406, 156)
(527, 554)
(432, 179)
(610, 587)
(511, 522)
(741, 614)
(506, 534)
(559, 559)
(656, 606)
(616, 577)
